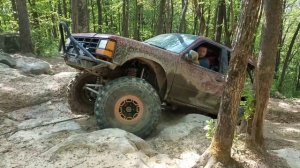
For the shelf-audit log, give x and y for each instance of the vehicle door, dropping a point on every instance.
(198, 86)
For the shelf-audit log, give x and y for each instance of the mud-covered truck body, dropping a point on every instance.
(124, 81)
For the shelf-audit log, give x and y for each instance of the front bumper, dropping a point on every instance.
(84, 63)
(84, 60)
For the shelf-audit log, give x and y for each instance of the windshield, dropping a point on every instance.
(172, 42)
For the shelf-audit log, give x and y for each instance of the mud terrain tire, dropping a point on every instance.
(128, 103)
(78, 100)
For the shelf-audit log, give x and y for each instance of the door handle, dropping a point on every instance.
(220, 79)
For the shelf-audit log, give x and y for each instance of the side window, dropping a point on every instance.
(209, 56)
(224, 61)
(229, 56)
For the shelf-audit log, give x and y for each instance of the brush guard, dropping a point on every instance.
(76, 60)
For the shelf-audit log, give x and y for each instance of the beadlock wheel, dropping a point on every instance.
(129, 109)
(128, 103)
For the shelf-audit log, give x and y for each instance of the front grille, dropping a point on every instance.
(89, 43)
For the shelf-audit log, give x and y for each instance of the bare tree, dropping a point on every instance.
(288, 59)
(14, 8)
(64, 4)
(220, 19)
(181, 28)
(161, 16)
(266, 66)
(298, 78)
(80, 16)
(24, 27)
(34, 13)
(220, 147)
(100, 19)
(125, 23)
(93, 15)
(138, 18)
(280, 41)
(170, 15)
(200, 15)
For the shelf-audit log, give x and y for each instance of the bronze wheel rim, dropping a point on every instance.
(129, 109)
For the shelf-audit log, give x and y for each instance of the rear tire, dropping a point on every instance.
(78, 98)
(129, 103)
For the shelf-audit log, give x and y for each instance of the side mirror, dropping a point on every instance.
(192, 56)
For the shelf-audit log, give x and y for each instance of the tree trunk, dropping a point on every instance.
(80, 16)
(220, 19)
(232, 20)
(93, 15)
(111, 25)
(14, 8)
(287, 58)
(227, 35)
(54, 26)
(105, 11)
(195, 26)
(298, 79)
(266, 66)
(64, 4)
(169, 16)
(119, 21)
(257, 28)
(280, 42)
(182, 26)
(100, 19)
(172, 16)
(161, 16)
(220, 148)
(125, 10)
(137, 25)
(215, 23)
(207, 28)
(53, 19)
(200, 15)
(24, 27)
(34, 13)
(59, 9)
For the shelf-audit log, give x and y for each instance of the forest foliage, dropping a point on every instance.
(142, 19)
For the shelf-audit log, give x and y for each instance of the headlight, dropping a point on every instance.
(106, 47)
(102, 44)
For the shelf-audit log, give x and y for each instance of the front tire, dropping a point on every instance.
(129, 103)
(79, 99)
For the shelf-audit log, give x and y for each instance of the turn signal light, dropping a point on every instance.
(106, 48)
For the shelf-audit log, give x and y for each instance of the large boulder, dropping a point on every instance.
(103, 148)
(183, 127)
(18, 90)
(7, 59)
(40, 121)
(177, 142)
(110, 148)
(4, 65)
(179, 134)
(30, 65)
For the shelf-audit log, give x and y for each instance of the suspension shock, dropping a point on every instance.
(132, 72)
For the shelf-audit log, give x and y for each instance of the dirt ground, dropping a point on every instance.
(47, 134)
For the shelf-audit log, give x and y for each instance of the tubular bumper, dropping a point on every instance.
(64, 28)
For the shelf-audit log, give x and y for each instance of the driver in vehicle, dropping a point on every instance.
(203, 61)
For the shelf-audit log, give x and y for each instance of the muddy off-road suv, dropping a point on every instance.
(125, 82)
